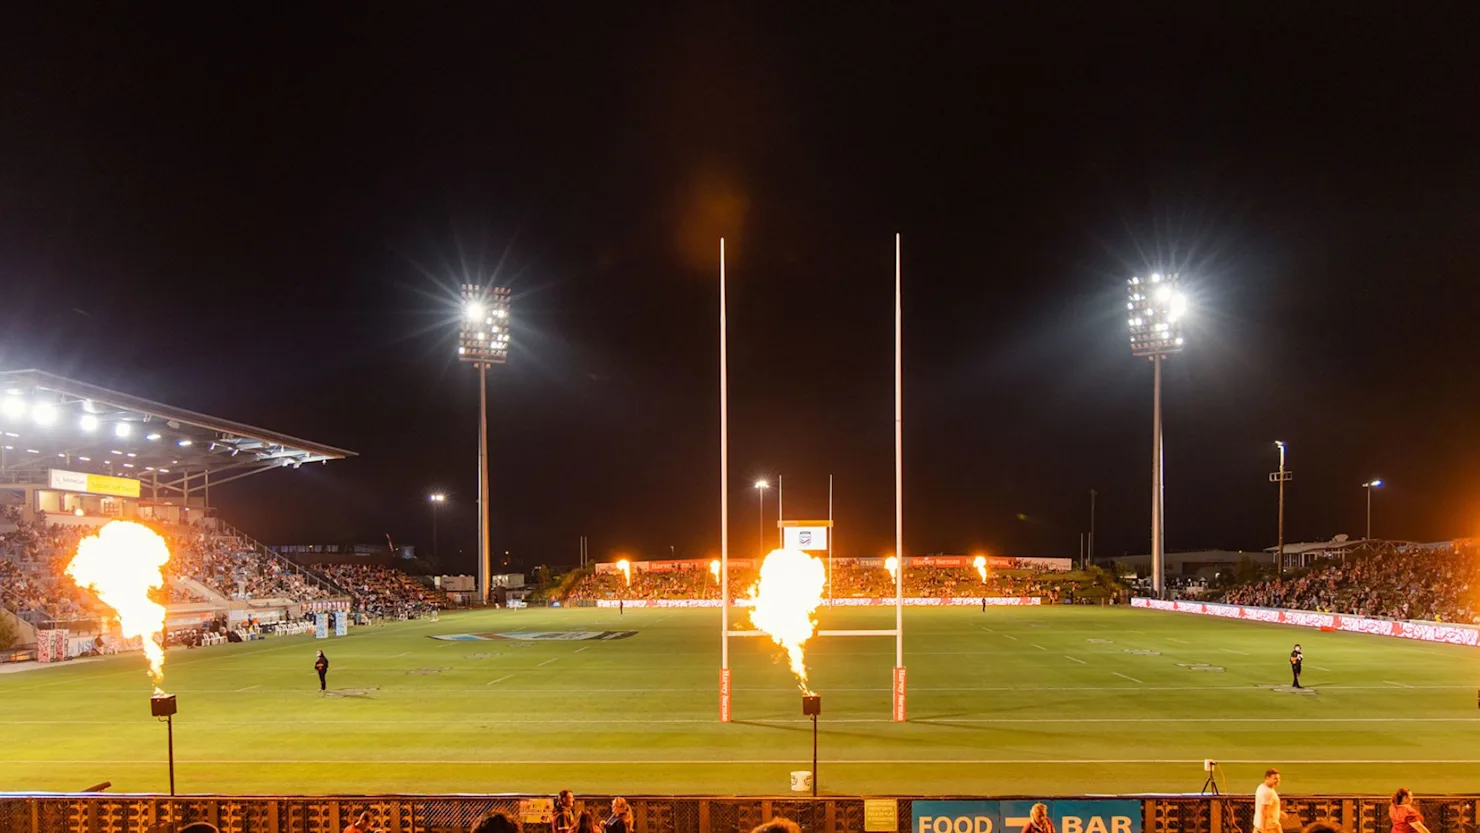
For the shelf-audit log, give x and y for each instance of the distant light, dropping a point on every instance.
(437, 497)
(44, 413)
(77, 511)
(164, 471)
(13, 407)
(1278, 444)
(33, 451)
(185, 443)
(473, 310)
(152, 437)
(128, 465)
(1369, 484)
(122, 429)
(1155, 277)
(85, 459)
(88, 422)
(761, 484)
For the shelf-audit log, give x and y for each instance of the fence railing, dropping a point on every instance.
(98, 813)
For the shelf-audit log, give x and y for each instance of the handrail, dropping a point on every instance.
(263, 550)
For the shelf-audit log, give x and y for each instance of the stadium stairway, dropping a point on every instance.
(202, 590)
(247, 542)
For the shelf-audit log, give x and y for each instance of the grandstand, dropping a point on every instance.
(75, 456)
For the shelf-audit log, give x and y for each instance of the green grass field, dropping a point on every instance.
(1041, 701)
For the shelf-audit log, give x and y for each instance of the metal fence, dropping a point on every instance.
(652, 814)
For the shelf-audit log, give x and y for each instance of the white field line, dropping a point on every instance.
(1231, 651)
(1183, 641)
(1400, 685)
(1013, 638)
(1319, 668)
(413, 692)
(1124, 676)
(548, 661)
(1039, 647)
(580, 649)
(248, 688)
(1080, 661)
(499, 680)
(749, 761)
(944, 722)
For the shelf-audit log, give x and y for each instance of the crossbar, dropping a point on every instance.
(890, 632)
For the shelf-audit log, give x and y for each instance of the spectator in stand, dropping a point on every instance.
(565, 812)
(361, 824)
(496, 823)
(778, 825)
(1038, 820)
(620, 821)
(586, 823)
(1404, 813)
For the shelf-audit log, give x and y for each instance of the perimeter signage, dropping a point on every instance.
(1423, 631)
(93, 484)
(1088, 816)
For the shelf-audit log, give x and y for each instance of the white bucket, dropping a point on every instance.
(801, 781)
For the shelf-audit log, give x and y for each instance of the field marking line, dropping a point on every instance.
(1013, 638)
(1039, 647)
(1080, 661)
(1183, 641)
(1231, 651)
(248, 688)
(548, 661)
(1124, 676)
(1319, 668)
(580, 649)
(398, 656)
(945, 722)
(749, 761)
(1400, 685)
(499, 680)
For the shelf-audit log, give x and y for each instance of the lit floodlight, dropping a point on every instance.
(152, 436)
(1155, 316)
(483, 337)
(1371, 483)
(122, 429)
(761, 484)
(185, 443)
(44, 413)
(88, 422)
(13, 407)
(437, 497)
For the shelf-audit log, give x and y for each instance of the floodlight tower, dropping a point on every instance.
(1156, 306)
(483, 340)
(1369, 486)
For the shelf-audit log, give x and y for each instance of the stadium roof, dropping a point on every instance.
(47, 422)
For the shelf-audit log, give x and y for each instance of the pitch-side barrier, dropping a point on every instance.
(93, 813)
(1423, 631)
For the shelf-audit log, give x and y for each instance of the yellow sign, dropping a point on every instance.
(94, 484)
(102, 484)
(880, 815)
(536, 810)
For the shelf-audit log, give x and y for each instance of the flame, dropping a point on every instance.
(789, 591)
(980, 563)
(892, 565)
(626, 567)
(120, 565)
(714, 568)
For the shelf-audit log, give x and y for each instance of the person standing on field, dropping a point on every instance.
(321, 665)
(1267, 813)
(1297, 658)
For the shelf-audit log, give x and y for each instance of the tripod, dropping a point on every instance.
(1210, 786)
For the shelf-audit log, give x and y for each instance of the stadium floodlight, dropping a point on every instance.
(1281, 477)
(1369, 486)
(483, 340)
(45, 413)
(122, 429)
(185, 443)
(153, 436)
(760, 492)
(13, 407)
(88, 422)
(1156, 308)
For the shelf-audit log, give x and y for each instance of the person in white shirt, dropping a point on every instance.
(1267, 814)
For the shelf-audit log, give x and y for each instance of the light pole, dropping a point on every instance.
(1369, 486)
(1090, 558)
(1281, 477)
(760, 491)
(483, 339)
(1155, 308)
(436, 499)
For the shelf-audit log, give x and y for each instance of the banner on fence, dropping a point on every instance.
(1078, 816)
(321, 626)
(1422, 631)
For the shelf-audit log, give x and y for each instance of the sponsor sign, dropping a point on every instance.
(1422, 631)
(536, 810)
(724, 695)
(1076, 816)
(880, 815)
(341, 623)
(535, 636)
(899, 694)
(804, 538)
(93, 484)
(321, 626)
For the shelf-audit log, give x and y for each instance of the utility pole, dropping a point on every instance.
(1092, 494)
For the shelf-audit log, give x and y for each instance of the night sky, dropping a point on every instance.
(264, 216)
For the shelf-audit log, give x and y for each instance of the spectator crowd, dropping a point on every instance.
(1429, 583)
